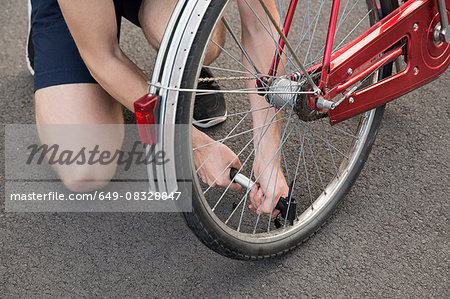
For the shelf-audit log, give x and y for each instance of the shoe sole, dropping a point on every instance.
(28, 38)
(211, 123)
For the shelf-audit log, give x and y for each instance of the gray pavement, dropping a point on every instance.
(389, 238)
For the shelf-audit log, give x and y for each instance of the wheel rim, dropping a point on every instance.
(342, 158)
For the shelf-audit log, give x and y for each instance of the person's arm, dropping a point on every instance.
(94, 29)
(261, 46)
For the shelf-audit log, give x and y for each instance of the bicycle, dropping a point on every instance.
(366, 58)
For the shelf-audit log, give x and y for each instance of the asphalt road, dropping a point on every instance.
(390, 237)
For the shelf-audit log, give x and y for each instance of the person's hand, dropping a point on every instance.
(267, 200)
(272, 183)
(218, 157)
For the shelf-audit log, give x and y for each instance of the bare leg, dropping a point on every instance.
(154, 16)
(261, 48)
(114, 71)
(80, 104)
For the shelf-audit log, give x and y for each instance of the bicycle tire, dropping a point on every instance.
(201, 220)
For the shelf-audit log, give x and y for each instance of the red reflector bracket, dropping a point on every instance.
(144, 111)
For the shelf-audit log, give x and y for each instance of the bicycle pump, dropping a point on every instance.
(287, 209)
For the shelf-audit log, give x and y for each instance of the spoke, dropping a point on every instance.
(309, 30)
(337, 47)
(254, 150)
(225, 22)
(270, 176)
(234, 58)
(296, 170)
(232, 115)
(238, 134)
(357, 25)
(329, 148)
(289, 46)
(269, 32)
(232, 130)
(244, 198)
(271, 161)
(315, 164)
(344, 132)
(276, 176)
(328, 143)
(242, 212)
(288, 177)
(282, 150)
(283, 70)
(243, 164)
(209, 187)
(313, 33)
(277, 164)
(265, 196)
(343, 12)
(307, 177)
(226, 189)
(302, 34)
(237, 72)
(226, 70)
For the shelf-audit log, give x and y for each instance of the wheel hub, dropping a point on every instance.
(284, 95)
(284, 92)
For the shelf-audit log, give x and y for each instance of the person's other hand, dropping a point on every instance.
(218, 158)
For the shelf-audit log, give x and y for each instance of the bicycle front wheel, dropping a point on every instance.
(320, 162)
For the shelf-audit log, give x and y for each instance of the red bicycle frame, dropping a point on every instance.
(406, 31)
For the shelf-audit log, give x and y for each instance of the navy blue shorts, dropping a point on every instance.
(56, 59)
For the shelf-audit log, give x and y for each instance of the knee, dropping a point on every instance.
(215, 48)
(88, 178)
(84, 186)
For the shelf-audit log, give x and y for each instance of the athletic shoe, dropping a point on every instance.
(209, 109)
